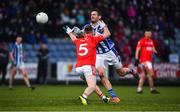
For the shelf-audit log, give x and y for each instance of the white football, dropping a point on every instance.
(42, 18)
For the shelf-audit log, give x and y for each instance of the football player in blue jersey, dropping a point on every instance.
(106, 53)
(17, 63)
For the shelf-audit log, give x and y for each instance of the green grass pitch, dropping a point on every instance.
(64, 98)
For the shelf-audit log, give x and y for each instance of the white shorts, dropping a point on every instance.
(146, 64)
(86, 70)
(20, 66)
(110, 58)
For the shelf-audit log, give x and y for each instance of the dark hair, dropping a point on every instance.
(97, 10)
(88, 29)
(147, 28)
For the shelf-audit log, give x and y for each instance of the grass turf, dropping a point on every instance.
(53, 97)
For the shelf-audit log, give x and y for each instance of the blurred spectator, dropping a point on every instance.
(4, 54)
(80, 18)
(119, 32)
(42, 63)
(44, 39)
(131, 12)
(31, 38)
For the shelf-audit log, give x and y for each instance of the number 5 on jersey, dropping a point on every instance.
(83, 49)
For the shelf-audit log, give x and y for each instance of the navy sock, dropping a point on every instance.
(112, 93)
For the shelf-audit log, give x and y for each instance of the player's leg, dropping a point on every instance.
(97, 90)
(105, 81)
(90, 77)
(44, 73)
(23, 71)
(100, 66)
(114, 59)
(125, 71)
(122, 71)
(141, 80)
(150, 79)
(11, 76)
(38, 73)
(101, 95)
(25, 76)
(150, 72)
(91, 83)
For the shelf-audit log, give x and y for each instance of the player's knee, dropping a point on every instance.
(92, 87)
(13, 73)
(120, 72)
(25, 76)
(101, 73)
(24, 72)
(151, 75)
(143, 76)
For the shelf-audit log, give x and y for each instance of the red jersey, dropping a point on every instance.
(86, 50)
(146, 49)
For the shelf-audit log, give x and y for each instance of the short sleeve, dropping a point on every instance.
(139, 44)
(75, 41)
(13, 48)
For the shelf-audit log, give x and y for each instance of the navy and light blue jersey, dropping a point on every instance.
(17, 51)
(105, 45)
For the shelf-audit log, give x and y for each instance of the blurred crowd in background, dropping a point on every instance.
(126, 19)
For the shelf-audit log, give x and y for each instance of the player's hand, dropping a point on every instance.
(67, 29)
(156, 52)
(77, 31)
(136, 62)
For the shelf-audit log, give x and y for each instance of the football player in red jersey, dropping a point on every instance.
(86, 57)
(144, 51)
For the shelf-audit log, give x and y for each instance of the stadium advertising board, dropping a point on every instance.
(66, 71)
(166, 70)
(161, 70)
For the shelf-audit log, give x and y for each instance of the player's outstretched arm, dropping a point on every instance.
(106, 32)
(72, 36)
(69, 32)
(105, 29)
